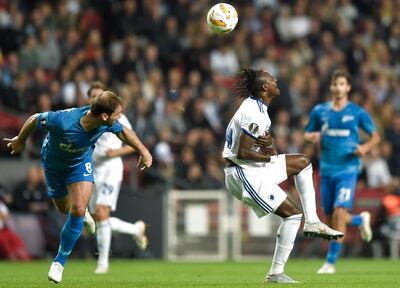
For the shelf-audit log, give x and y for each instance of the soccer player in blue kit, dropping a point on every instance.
(335, 125)
(67, 160)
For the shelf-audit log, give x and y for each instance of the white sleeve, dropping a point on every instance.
(124, 121)
(250, 124)
(99, 152)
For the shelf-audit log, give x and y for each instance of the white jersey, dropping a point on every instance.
(108, 173)
(106, 142)
(254, 183)
(252, 119)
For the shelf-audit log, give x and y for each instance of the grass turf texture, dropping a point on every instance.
(123, 273)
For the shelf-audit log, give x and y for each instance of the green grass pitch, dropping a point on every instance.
(150, 273)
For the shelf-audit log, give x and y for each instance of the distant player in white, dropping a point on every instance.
(108, 172)
(254, 170)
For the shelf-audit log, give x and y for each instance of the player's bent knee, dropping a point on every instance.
(78, 210)
(102, 213)
(305, 161)
(296, 163)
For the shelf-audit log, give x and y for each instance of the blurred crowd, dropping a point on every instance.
(174, 74)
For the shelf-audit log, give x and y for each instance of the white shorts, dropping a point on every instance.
(105, 190)
(257, 187)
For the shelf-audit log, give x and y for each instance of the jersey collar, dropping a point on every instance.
(343, 108)
(260, 104)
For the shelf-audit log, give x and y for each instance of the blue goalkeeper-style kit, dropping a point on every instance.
(339, 165)
(67, 150)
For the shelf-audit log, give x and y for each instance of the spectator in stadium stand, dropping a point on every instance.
(11, 245)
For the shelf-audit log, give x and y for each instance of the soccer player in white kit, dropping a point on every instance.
(108, 171)
(254, 170)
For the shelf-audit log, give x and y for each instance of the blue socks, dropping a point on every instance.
(69, 236)
(356, 220)
(333, 252)
(335, 247)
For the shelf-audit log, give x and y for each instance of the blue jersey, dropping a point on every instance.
(339, 136)
(67, 144)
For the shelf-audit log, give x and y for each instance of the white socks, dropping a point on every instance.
(120, 226)
(103, 242)
(305, 187)
(285, 238)
(104, 230)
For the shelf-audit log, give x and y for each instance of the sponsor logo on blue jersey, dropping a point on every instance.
(71, 149)
(339, 136)
(347, 118)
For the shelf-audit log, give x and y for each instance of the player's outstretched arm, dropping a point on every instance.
(129, 137)
(17, 144)
(125, 150)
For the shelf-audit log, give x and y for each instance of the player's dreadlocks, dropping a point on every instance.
(248, 82)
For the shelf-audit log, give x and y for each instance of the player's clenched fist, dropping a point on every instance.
(15, 145)
(145, 161)
(265, 140)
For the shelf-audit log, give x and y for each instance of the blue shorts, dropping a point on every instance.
(57, 182)
(338, 191)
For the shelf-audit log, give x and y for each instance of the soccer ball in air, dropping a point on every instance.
(222, 18)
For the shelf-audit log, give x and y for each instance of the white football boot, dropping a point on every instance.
(55, 272)
(320, 230)
(279, 278)
(141, 239)
(101, 269)
(327, 268)
(365, 227)
(89, 224)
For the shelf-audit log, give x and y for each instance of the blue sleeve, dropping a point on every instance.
(314, 123)
(48, 120)
(365, 122)
(116, 128)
